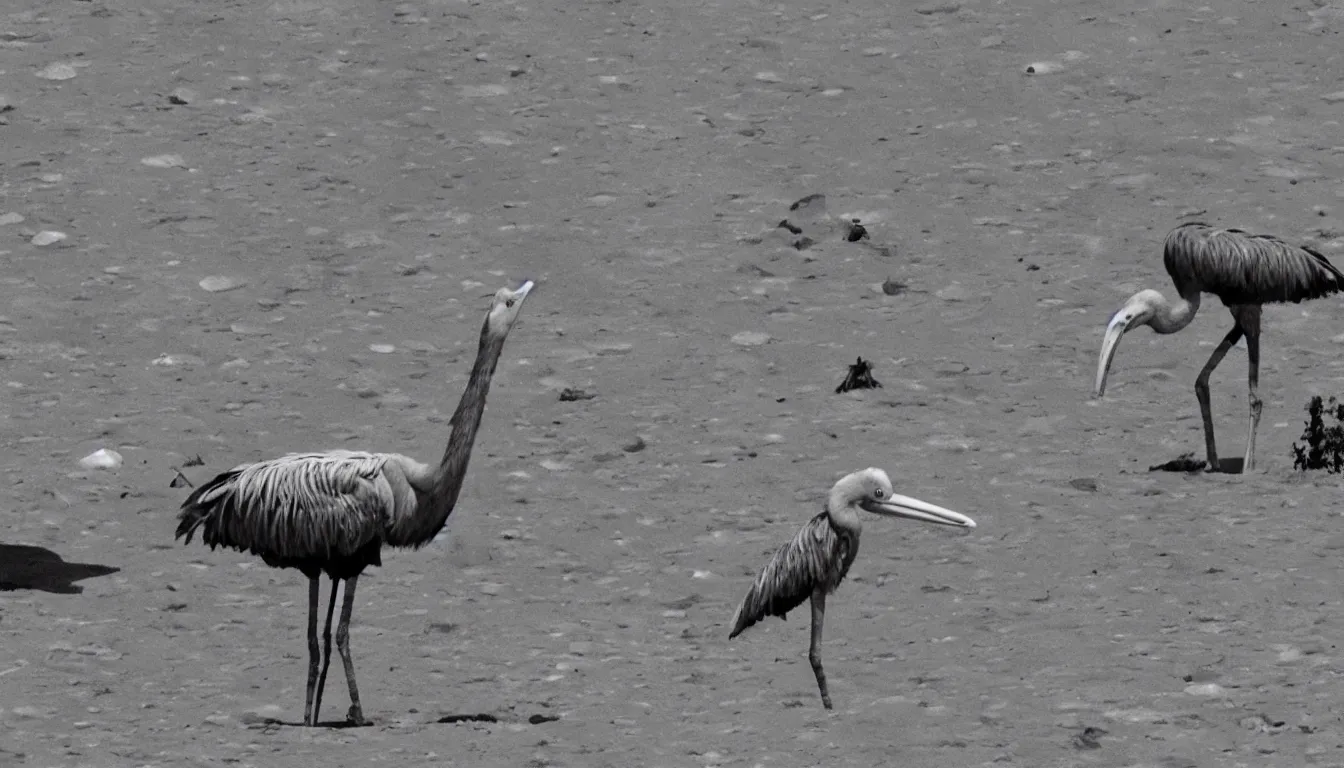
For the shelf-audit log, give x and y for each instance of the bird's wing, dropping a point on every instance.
(796, 569)
(299, 506)
(1242, 268)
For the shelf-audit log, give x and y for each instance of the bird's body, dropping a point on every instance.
(818, 557)
(1244, 271)
(816, 560)
(326, 512)
(333, 512)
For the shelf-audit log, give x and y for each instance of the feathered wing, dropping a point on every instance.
(303, 506)
(816, 557)
(1242, 268)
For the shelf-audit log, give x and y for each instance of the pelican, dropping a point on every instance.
(1245, 271)
(815, 561)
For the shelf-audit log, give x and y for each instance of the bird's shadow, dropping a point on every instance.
(28, 567)
(339, 725)
(484, 717)
(1187, 463)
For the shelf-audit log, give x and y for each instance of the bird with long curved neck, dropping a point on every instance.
(1245, 271)
(333, 512)
(812, 565)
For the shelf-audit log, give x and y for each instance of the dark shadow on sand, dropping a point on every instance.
(1188, 464)
(28, 567)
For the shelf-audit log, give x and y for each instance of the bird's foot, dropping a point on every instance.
(356, 716)
(826, 702)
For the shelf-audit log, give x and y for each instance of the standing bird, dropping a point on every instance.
(333, 512)
(1244, 271)
(814, 563)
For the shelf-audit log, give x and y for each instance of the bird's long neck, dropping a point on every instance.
(452, 470)
(1170, 318)
(843, 515)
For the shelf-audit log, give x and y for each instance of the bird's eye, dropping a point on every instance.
(879, 493)
(508, 302)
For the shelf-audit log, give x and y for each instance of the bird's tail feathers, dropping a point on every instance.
(201, 504)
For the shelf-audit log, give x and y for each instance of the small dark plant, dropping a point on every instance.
(860, 377)
(1324, 447)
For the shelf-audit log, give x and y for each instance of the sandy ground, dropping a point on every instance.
(359, 173)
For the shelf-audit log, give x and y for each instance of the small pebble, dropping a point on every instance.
(47, 237)
(57, 72)
(219, 284)
(10, 218)
(750, 338)
(181, 96)
(101, 459)
(164, 161)
(892, 287)
(382, 349)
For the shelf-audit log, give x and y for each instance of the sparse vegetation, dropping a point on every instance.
(1324, 446)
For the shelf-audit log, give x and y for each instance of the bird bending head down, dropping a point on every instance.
(1147, 307)
(870, 489)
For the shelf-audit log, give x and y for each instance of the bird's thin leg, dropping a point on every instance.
(356, 714)
(1202, 391)
(314, 589)
(326, 653)
(1251, 322)
(814, 652)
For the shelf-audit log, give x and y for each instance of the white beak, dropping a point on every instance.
(914, 509)
(1109, 343)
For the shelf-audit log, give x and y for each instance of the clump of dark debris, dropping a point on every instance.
(570, 395)
(860, 377)
(1324, 446)
(1186, 462)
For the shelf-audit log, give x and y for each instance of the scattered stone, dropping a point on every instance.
(539, 719)
(164, 161)
(101, 459)
(860, 376)
(219, 283)
(1084, 484)
(181, 96)
(1205, 689)
(10, 218)
(47, 237)
(635, 446)
(58, 71)
(1334, 98)
(855, 231)
(382, 349)
(750, 338)
(1087, 738)
(570, 395)
(953, 292)
(767, 77)
(482, 718)
(893, 287)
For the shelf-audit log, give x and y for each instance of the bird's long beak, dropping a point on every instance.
(1114, 330)
(524, 289)
(914, 509)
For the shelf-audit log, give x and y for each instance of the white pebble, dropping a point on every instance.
(101, 459)
(382, 349)
(750, 338)
(47, 237)
(10, 218)
(164, 161)
(218, 283)
(57, 72)
(1204, 689)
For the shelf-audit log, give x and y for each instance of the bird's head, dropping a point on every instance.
(504, 310)
(870, 489)
(1139, 310)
